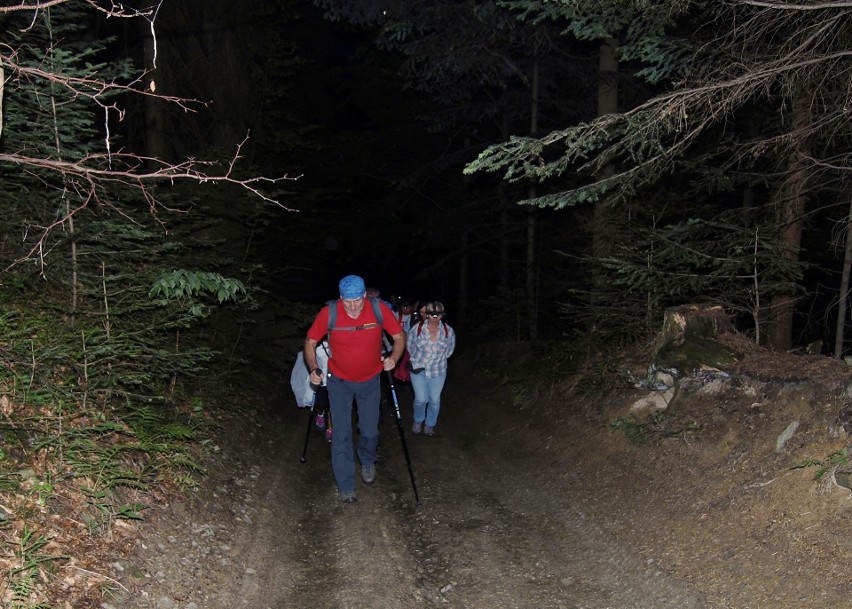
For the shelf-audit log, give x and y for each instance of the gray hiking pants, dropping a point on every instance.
(366, 395)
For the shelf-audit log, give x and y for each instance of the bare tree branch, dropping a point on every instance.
(790, 6)
(116, 9)
(90, 169)
(769, 58)
(92, 88)
(92, 178)
(87, 179)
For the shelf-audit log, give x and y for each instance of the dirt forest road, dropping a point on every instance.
(495, 528)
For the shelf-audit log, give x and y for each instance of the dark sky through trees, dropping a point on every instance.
(384, 106)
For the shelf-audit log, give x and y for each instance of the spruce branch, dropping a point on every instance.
(93, 174)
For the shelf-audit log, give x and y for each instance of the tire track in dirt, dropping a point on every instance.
(282, 550)
(331, 555)
(494, 531)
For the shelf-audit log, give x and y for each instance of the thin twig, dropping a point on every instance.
(115, 581)
(767, 483)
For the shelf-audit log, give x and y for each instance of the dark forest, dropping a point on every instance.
(543, 168)
(184, 181)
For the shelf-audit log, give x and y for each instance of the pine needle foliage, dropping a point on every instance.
(731, 56)
(726, 77)
(45, 119)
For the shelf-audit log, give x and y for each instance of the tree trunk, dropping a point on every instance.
(2, 82)
(531, 275)
(793, 206)
(463, 276)
(603, 224)
(844, 289)
(505, 222)
(531, 300)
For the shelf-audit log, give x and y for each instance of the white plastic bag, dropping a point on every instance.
(300, 381)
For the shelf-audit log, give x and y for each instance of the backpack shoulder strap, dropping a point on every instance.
(377, 310)
(332, 314)
(420, 327)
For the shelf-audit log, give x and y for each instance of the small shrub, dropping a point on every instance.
(839, 458)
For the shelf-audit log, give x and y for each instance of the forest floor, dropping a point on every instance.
(556, 498)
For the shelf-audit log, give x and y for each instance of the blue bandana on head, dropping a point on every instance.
(351, 287)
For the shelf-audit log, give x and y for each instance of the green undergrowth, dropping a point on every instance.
(839, 459)
(96, 423)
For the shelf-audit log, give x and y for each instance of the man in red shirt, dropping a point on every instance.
(353, 372)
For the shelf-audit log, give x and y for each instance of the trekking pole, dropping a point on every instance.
(402, 437)
(311, 418)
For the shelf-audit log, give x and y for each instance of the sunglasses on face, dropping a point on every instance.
(434, 315)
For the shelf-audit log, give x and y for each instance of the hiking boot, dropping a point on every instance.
(320, 421)
(428, 431)
(368, 473)
(415, 429)
(348, 497)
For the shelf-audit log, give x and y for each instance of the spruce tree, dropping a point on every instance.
(725, 128)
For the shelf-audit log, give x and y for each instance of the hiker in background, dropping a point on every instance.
(309, 395)
(375, 293)
(403, 314)
(402, 372)
(387, 347)
(354, 325)
(430, 343)
(387, 344)
(417, 308)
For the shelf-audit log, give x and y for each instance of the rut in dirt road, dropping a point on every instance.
(494, 529)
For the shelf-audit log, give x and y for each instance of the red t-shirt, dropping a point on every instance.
(355, 354)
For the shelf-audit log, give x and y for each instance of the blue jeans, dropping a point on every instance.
(340, 396)
(427, 397)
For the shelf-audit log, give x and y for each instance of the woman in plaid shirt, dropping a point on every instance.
(429, 344)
